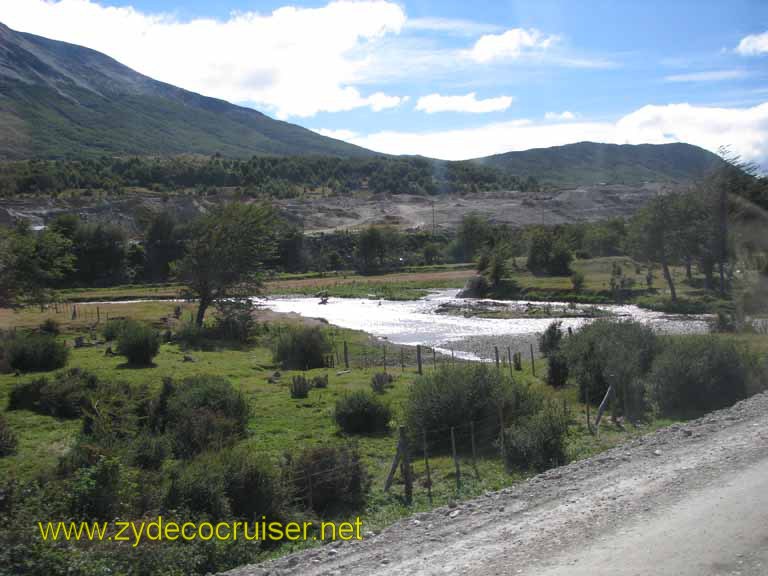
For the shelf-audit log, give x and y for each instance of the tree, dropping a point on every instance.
(163, 244)
(225, 254)
(473, 234)
(371, 249)
(31, 265)
(651, 236)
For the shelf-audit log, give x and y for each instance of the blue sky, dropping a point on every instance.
(451, 79)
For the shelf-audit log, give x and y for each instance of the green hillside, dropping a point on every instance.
(587, 163)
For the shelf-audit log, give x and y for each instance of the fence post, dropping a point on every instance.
(434, 358)
(98, 315)
(346, 355)
(474, 450)
(426, 466)
(385, 358)
(418, 358)
(533, 362)
(456, 461)
(405, 467)
(496, 352)
(501, 430)
(395, 462)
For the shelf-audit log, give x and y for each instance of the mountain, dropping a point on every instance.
(59, 100)
(589, 163)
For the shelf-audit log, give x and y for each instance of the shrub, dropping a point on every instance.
(330, 478)
(235, 320)
(251, 486)
(696, 374)
(551, 339)
(50, 326)
(380, 381)
(537, 442)
(62, 397)
(609, 351)
(299, 387)
(320, 381)
(452, 396)
(139, 343)
(97, 491)
(199, 487)
(205, 412)
(191, 335)
(577, 281)
(150, 451)
(302, 348)
(113, 328)
(362, 413)
(8, 439)
(557, 373)
(36, 353)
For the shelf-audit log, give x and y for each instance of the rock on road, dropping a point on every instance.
(688, 500)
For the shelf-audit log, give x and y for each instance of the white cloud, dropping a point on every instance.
(509, 45)
(745, 130)
(565, 115)
(467, 103)
(294, 61)
(753, 44)
(708, 76)
(451, 25)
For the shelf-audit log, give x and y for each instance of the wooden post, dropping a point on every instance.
(456, 460)
(453, 358)
(474, 450)
(98, 315)
(602, 407)
(385, 358)
(402, 360)
(426, 466)
(405, 467)
(346, 355)
(434, 358)
(533, 362)
(418, 358)
(501, 429)
(393, 468)
(496, 352)
(509, 357)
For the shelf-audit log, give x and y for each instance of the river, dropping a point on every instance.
(418, 321)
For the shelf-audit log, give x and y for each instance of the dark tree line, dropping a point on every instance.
(263, 175)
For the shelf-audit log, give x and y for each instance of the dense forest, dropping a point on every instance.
(265, 176)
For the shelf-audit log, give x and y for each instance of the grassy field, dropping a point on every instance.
(280, 424)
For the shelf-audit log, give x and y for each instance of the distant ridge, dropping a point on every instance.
(59, 100)
(589, 163)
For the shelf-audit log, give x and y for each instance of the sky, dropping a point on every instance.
(451, 79)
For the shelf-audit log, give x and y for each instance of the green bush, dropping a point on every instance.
(98, 492)
(251, 486)
(557, 370)
(300, 387)
(302, 348)
(62, 397)
(362, 413)
(8, 439)
(696, 374)
(537, 442)
(320, 381)
(139, 343)
(380, 381)
(199, 487)
(150, 451)
(113, 328)
(205, 412)
(330, 479)
(610, 352)
(454, 395)
(36, 353)
(551, 339)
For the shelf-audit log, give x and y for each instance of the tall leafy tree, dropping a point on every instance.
(225, 254)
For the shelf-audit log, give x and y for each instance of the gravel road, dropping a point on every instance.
(688, 500)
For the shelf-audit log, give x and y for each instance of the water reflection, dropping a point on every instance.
(417, 322)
